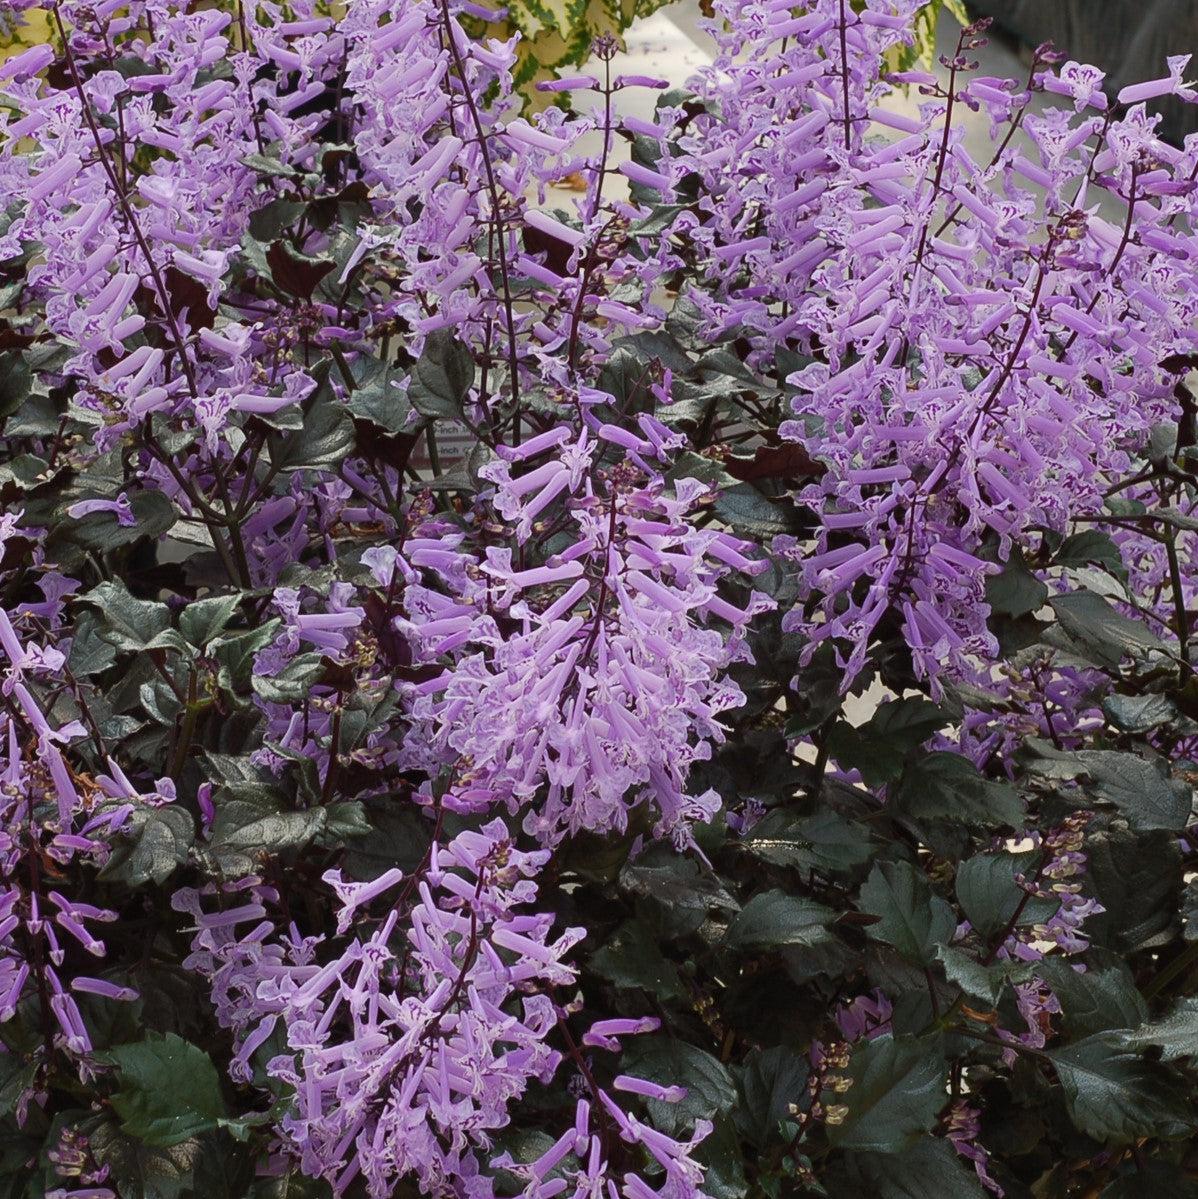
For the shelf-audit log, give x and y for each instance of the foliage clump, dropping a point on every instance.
(758, 760)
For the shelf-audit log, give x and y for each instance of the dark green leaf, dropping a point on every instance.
(947, 787)
(16, 1077)
(442, 377)
(1138, 789)
(930, 1169)
(159, 701)
(990, 893)
(1152, 1179)
(1103, 633)
(16, 382)
(125, 622)
(879, 747)
(326, 439)
(678, 892)
(235, 651)
(657, 345)
(271, 168)
(244, 829)
(672, 1062)
(657, 222)
(293, 683)
(1175, 1035)
(1100, 998)
(268, 222)
(292, 1185)
(774, 919)
(825, 842)
(630, 958)
(38, 416)
(143, 1171)
(723, 1160)
(1139, 713)
(598, 858)
(753, 513)
(168, 1090)
(223, 1172)
(910, 917)
(1176, 518)
(1189, 910)
(376, 399)
(898, 1089)
(1117, 1096)
(202, 620)
(399, 836)
(150, 845)
(26, 472)
(524, 1146)
(239, 777)
(1015, 591)
(101, 531)
(625, 375)
(962, 969)
(90, 653)
(773, 1080)
(1137, 879)
(1089, 546)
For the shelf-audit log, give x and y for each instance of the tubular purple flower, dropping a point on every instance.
(1136, 93)
(569, 83)
(70, 1021)
(622, 1027)
(54, 177)
(524, 134)
(651, 1090)
(622, 314)
(120, 507)
(849, 571)
(551, 227)
(23, 66)
(106, 990)
(896, 473)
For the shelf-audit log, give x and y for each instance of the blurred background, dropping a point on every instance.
(1129, 39)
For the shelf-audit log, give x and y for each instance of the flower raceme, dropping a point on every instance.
(993, 341)
(49, 941)
(605, 688)
(404, 1061)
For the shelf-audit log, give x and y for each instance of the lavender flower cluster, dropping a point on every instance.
(777, 396)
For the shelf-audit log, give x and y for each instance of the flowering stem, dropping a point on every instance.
(941, 159)
(1181, 615)
(233, 556)
(593, 636)
(591, 257)
(990, 1039)
(823, 749)
(496, 214)
(844, 76)
(33, 859)
(576, 1056)
(127, 209)
(996, 945)
(191, 716)
(244, 35)
(326, 792)
(1029, 889)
